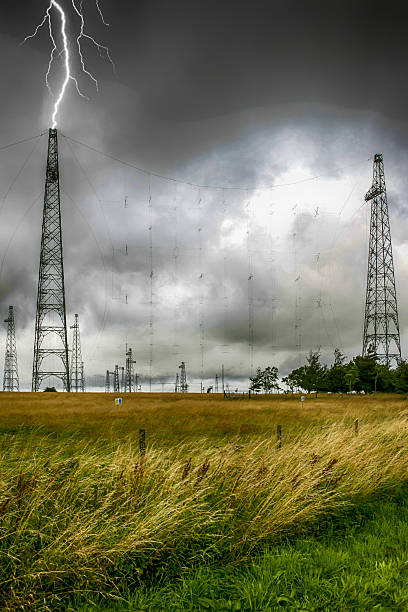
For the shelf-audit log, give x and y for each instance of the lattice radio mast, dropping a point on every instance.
(77, 365)
(381, 327)
(50, 323)
(129, 377)
(177, 384)
(10, 380)
(107, 382)
(83, 376)
(116, 384)
(183, 378)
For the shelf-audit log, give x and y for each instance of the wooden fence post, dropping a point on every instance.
(356, 426)
(279, 436)
(142, 442)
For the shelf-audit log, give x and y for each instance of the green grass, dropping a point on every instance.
(214, 516)
(358, 562)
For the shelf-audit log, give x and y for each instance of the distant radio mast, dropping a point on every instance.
(77, 365)
(381, 327)
(10, 380)
(183, 378)
(116, 385)
(107, 382)
(50, 343)
(129, 377)
(83, 376)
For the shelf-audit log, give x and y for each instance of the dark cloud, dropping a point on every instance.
(216, 93)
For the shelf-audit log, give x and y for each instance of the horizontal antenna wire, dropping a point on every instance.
(191, 184)
(13, 144)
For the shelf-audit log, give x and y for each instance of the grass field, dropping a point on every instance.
(86, 518)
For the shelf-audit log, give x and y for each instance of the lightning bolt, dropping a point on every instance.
(65, 51)
(82, 34)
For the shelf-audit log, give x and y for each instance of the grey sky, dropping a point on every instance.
(217, 93)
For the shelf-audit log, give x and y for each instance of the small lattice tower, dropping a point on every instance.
(116, 383)
(50, 343)
(77, 365)
(129, 379)
(10, 380)
(83, 376)
(177, 384)
(107, 382)
(381, 327)
(183, 378)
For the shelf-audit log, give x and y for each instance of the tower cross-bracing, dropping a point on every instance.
(381, 327)
(50, 343)
(10, 379)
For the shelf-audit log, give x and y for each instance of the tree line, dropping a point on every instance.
(361, 374)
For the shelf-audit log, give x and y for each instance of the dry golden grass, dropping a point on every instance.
(82, 512)
(169, 418)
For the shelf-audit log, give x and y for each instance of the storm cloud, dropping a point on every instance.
(249, 100)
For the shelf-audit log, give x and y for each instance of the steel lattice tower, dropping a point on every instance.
(10, 380)
(107, 382)
(116, 384)
(381, 327)
(77, 365)
(183, 378)
(129, 379)
(83, 376)
(50, 324)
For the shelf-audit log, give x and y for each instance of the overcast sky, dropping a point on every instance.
(255, 95)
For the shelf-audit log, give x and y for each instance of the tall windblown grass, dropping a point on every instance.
(104, 519)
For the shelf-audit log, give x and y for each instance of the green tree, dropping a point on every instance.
(314, 373)
(266, 379)
(400, 377)
(335, 380)
(339, 358)
(256, 381)
(366, 372)
(351, 375)
(384, 378)
(294, 380)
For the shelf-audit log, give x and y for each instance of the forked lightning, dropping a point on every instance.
(65, 51)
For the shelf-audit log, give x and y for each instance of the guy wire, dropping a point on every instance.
(151, 330)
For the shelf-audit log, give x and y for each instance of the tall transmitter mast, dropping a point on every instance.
(381, 327)
(50, 343)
